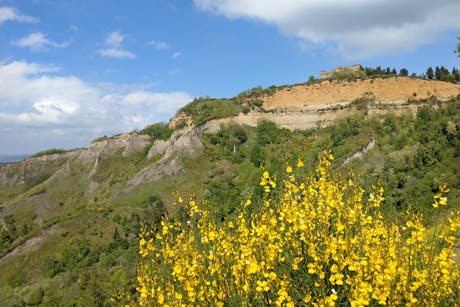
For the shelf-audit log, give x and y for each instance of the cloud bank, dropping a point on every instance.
(37, 104)
(356, 28)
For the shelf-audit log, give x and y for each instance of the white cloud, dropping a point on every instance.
(356, 28)
(116, 53)
(161, 102)
(11, 14)
(16, 69)
(114, 43)
(37, 41)
(34, 102)
(176, 55)
(159, 45)
(114, 39)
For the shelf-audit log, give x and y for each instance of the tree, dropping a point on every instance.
(444, 73)
(437, 73)
(256, 155)
(430, 73)
(457, 51)
(456, 74)
(403, 72)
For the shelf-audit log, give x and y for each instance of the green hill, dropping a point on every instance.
(70, 220)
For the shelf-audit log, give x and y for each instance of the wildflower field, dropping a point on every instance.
(315, 241)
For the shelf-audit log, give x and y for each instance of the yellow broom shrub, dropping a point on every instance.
(317, 242)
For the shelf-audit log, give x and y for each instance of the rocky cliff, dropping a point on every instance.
(383, 90)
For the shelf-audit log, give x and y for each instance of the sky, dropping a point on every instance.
(74, 70)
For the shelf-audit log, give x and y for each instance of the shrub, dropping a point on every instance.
(318, 241)
(348, 74)
(181, 124)
(269, 133)
(51, 151)
(206, 109)
(157, 131)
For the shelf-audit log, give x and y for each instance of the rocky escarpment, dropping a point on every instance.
(24, 171)
(57, 165)
(308, 117)
(385, 90)
(128, 143)
(185, 142)
(307, 106)
(32, 171)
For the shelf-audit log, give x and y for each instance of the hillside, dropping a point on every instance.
(70, 221)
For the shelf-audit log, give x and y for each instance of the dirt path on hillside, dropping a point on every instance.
(31, 244)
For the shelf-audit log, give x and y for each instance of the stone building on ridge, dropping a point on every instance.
(327, 74)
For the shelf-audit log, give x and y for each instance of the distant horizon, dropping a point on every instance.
(5, 158)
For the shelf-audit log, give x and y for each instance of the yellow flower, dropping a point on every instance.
(265, 175)
(262, 286)
(443, 201)
(299, 163)
(322, 230)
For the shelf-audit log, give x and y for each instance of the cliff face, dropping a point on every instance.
(23, 171)
(32, 171)
(294, 118)
(55, 165)
(388, 90)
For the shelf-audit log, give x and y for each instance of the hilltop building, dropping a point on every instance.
(327, 74)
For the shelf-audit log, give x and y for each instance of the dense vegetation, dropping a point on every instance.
(49, 152)
(157, 131)
(205, 108)
(317, 241)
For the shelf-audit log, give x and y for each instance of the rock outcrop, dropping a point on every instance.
(127, 143)
(23, 171)
(184, 142)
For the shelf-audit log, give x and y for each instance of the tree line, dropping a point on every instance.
(438, 73)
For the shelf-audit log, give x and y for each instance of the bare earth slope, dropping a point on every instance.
(396, 89)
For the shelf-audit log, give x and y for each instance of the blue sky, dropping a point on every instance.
(73, 70)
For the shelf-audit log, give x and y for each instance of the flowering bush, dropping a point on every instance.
(318, 242)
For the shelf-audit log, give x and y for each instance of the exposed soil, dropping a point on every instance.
(32, 243)
(394, 89)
